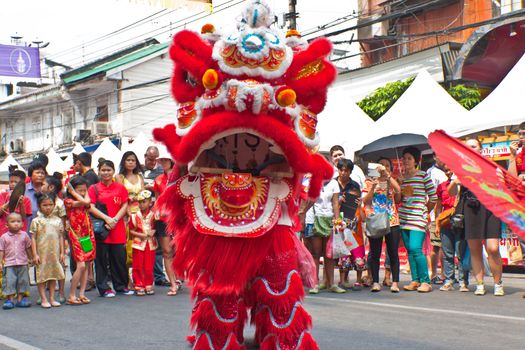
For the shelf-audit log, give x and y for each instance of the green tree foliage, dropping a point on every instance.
(379, 102)
(467, 97)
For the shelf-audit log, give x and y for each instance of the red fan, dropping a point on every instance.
(499, 191)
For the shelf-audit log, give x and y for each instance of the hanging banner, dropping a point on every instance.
(19, 61)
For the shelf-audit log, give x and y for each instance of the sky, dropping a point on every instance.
(72, 27)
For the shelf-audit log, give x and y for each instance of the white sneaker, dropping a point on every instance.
(336, 289)
(314, 290)
(447, 287)
(480, 289)
(498, 290)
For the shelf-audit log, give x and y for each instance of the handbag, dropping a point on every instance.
(458, 218)
(378, 224)
(85, 241)
(99, 225)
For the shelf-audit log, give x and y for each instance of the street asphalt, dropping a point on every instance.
(354, 320)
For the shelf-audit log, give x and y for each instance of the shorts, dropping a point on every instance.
(352, 262)
(15, 280)
(160, 228)
(435, 240)
(480, 223)
(308, 231)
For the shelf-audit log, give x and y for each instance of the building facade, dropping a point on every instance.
(116, 96)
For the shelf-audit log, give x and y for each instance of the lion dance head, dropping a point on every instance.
(246, 133)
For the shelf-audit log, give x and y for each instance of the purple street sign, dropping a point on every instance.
(19, 61)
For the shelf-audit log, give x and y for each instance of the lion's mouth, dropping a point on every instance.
(241, 151)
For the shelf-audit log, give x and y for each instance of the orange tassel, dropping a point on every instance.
(210, 79)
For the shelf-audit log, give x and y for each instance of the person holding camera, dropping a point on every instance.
(381, 192)
(480, 225)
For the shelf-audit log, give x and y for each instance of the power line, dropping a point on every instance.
(389, 16)
(108, 35)
(170, 27)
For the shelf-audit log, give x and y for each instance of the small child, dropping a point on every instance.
(15, 248)
(141, 227)
(23, 208)
(53, 184)
(48, 248)
(79, 227)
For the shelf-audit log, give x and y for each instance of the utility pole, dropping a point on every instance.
(292, 15)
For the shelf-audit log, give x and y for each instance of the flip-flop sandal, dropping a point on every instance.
(74, 301)
(171, 292)
(84, 300)
(140, 292)
(150, 292)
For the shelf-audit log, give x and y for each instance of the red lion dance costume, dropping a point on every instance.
(245, 130)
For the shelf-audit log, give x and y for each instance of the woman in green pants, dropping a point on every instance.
(418, 197)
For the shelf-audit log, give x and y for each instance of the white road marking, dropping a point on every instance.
(417, 308)
(15, 344)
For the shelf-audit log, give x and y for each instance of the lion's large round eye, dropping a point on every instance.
(253, 43)
(272, 38)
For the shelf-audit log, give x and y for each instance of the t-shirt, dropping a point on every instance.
(31, 194)
(113, 196)
(14, 247)
(352, 193)
(382, 202)
(323, 205)
(151, 174)
(437, 176)
(413, 212)
(91, 177)
(357, 175)
(447, 201)
(161, 182)
(4, 199)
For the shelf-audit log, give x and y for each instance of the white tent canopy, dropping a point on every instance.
(9, 160)
(424, 107)
(76, 150)
(55, 162)
(504, 106)
(343, 123)
(139, 145)
(106, 150)
(4, 167)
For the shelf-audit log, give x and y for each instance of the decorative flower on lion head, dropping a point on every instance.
(246, 128)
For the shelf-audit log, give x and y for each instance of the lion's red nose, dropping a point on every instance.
(236, 190)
